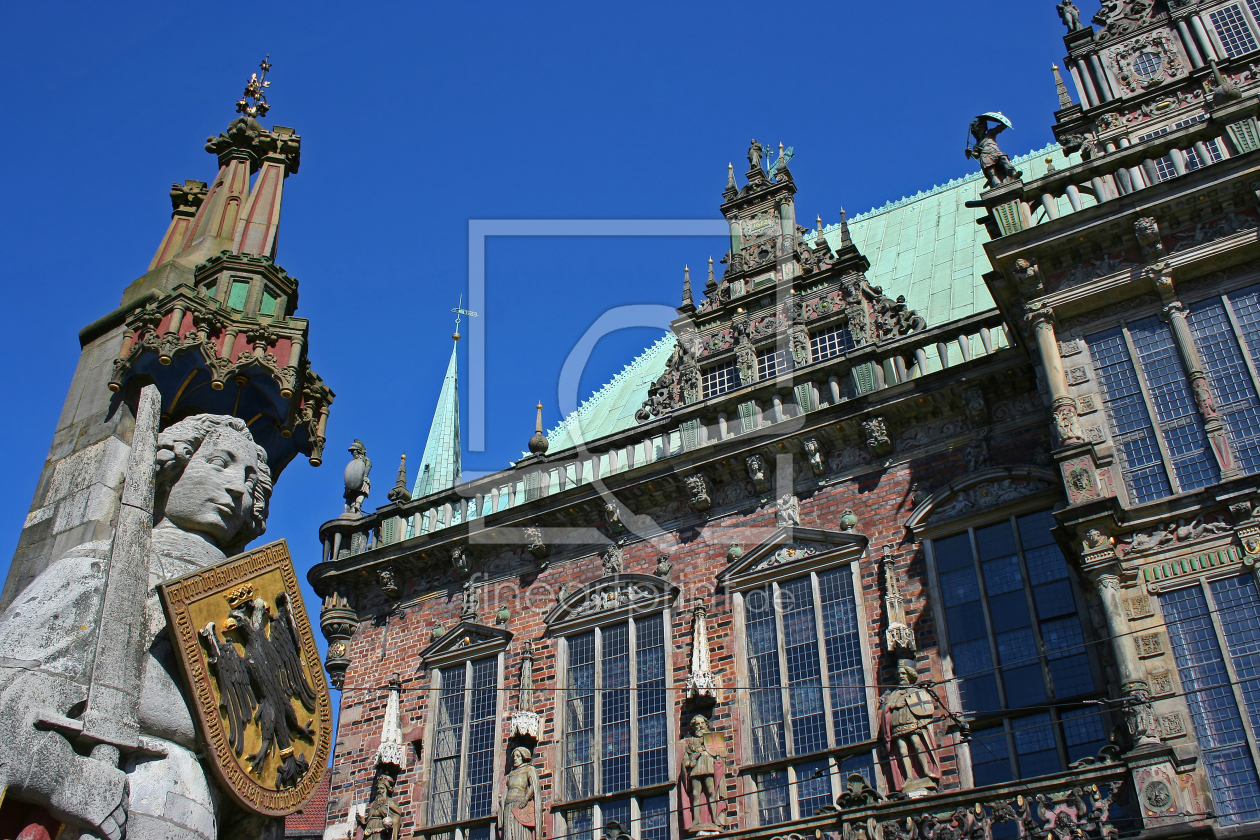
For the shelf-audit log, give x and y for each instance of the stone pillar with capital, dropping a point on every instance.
(1135, 691)
(1067, 425)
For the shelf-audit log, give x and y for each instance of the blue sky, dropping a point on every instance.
(416, 118)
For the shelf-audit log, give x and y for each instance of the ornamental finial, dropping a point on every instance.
(256, 90)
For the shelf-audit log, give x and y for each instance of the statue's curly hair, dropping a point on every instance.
(175, 448)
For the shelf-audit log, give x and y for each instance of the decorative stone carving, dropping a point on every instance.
(1161, 683)
(789, 510)
(789, 553)
(535, 544)
(813, 453)
(877, 439)
(1160, 61)
(521, 810)
(526, 723)
(1077, 814)
(798, 341)
(460, 561)
(906, 714)
(891, 319)
(679, 385)
(701, 491)
(613, 559)
(399, 492)
(1139, 606)
(1080, 478)
(1028, 278)
(977, 454)
(1171, 726)
(702, 771)
(1120, 17)
(1139, 718)
(1171, 533)
(757, 472)
(848, 520)
(745, 362)
(976, 408)
(387, 580)
(338, 621)
(990, 494)
(899, 637)
(612, 515)
(1149, 645)
(470, 602)
(1210, 231)
(356, 479)
(701, 681)
(1148, 236)
(1070, 15)
(391, 754)
(611, 593)
(383, 818)
(1067, 426)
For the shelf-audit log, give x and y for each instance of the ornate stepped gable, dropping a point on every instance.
(779, 285)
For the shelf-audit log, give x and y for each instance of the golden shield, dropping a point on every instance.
(244, 643)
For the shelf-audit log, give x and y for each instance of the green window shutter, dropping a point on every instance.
(389, 530)
(532, 489)
(690, 435)
(748, 416)
(864, 377)
(805, 397)
(268, 305)
(1009, 218)
(237, 295)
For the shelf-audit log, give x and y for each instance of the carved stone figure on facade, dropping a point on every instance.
(1067, 424)
(755, 152)
(356, 479)
(996, 165)
(399, 493)
(977, 454)
(383, 818)
(210, 485)
(813, 453)
(612, 514)
(1028, 278)
(522, 802)
(702, 766)
(700, 490)
(1070, 15)
(789, 511)
(613, 559)
(387, 580)
(701, 681)
(1147, 231)
(757, 472)
(906, 715)
(877, 439)
(460, 560)
(536, 545)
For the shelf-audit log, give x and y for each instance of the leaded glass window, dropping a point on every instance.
(1214, 630)
(1232, 28)
(807, 688)
(771, 363)
(1017, 645)
(719, 379)
(1164, 166)
(1229, 379)
(1175, 459)
(645, 818)
(462, 776)
(614, 714)
(832, 341)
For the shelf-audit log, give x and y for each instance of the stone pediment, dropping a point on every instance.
(791, 548)
(611, 598)
(978, 493)
(463, 642)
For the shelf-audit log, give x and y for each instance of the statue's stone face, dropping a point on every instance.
(215, 495)
(699, 727)
(909, 676)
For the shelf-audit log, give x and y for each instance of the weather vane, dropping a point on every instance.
(460, 310)
(256, 90)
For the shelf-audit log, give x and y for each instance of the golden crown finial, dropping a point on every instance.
(253, 103)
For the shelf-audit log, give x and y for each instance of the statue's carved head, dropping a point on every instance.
(522, 755)
(213, 480)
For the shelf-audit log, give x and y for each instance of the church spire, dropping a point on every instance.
(439, 466)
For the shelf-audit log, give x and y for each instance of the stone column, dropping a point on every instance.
(1187, 40)
(1175, 314)
(1080, 74)
(1205, 42)
(1135, 691)
(1100, 74)
(1067, 427)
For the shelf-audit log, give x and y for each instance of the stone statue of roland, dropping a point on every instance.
(212, 486)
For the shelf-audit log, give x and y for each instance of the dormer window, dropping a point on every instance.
(238, 293)
(829, 342)
(771, 363)
(268, 305)
(1234, 31)
(719, 379)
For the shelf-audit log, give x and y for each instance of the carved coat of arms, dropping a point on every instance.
(245, 646)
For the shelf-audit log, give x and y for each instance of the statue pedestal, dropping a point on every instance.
(703, 829)
(918, 788)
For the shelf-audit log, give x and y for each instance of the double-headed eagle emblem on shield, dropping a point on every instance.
(258, 684)
(244, 643)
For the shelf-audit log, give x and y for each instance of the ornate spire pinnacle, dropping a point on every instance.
(399, 492)
(526, 722)
(730, 176)
(538, 443)
(391, 752)
(440, 463)
(460, 310)
(253, 103)
(818, 221)
(710, 280)
(844, 229)
(899, 637)
(1065, 101)
(688, 305)
(700, 682)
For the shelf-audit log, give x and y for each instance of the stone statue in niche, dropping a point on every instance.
(522, 803)
(905, 717)
(211, 490)
(996, 165)
(702, 777)
(1070, 15)
(383, 818)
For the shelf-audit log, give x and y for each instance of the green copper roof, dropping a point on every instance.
(927, 247)
(439, 468)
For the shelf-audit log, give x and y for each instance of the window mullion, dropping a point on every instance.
(784, 692)
(597, 717)
(1235, 685)
(633, 679)
(988, 619)
(823, 670)
(1242, 343)
(793, 807)
(461, 804)
(1157, 425)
